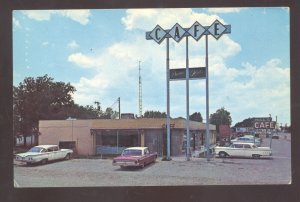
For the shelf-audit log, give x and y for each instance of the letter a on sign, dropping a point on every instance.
(177, 32)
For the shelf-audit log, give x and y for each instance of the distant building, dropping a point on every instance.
(111, 136)
(224, 131)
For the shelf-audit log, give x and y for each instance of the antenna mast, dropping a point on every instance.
(140, 91)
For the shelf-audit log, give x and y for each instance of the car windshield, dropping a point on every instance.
(36, 149)
(132, 152)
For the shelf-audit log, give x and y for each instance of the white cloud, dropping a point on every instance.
(16, 23)
(245, 91)
(225, 10)
(80, 16)
(147, 19)
(83, 60)
(45, 43)
(73, 44)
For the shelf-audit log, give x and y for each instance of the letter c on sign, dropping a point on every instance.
(156, 34)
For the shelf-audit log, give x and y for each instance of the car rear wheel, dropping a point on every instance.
(223, 154)
(256, 156)
(68, 156)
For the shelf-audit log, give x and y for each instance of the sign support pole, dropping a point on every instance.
(207, 137)
(188, 152)
(168, 102)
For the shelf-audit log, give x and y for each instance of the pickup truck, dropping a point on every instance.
(43, 154)
(239, 149)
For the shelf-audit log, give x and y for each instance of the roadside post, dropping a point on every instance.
(158, 34)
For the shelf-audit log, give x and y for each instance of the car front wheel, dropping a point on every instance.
(222, 154)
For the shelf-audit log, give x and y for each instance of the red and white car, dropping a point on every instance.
(135, 157)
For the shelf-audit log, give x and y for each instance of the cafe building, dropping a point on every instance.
(111, 136)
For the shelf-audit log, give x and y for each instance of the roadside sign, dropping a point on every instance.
(265, 125)
(158, 34)
(217, 29)
(194, 73)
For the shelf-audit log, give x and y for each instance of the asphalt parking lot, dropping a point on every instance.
(197, 171)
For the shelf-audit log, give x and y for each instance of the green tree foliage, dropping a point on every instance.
(196, 117)
(220, 117)
(155, 114)
(43, 99)
(245, 123)
(40, 99)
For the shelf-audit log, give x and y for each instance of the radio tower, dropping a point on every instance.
(140, 91)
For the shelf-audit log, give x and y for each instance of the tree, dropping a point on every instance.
(196, 117)
(39, 99)
(245, 123)
(155, 114)
(220, 117)
(109, 114)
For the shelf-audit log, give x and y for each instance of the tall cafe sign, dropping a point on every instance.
(177, 32)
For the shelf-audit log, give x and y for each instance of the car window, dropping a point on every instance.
(247, 146)
(132, 152)
(147, 151)
(36, 149)
(238, 146)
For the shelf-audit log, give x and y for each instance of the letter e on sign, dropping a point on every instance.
(217, 29)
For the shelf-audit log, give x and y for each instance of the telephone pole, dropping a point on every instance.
(140, 92)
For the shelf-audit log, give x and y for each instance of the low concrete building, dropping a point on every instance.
(111, 136)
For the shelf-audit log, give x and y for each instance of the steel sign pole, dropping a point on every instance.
(207, 137)
(168, 102)
(187, 103)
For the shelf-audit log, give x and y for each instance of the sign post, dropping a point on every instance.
(158, 34)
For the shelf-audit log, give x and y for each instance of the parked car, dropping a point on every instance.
(135, 156)
(275, 136)
(43, 154)
(247, 139)
(243, 150)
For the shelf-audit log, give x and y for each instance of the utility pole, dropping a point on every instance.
(119, 101)
(140, 91)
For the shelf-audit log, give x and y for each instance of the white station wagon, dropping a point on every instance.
(243, 150)
(43, 154)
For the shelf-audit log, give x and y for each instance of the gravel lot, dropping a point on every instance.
(197, 171)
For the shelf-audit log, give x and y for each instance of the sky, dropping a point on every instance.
(98, 52)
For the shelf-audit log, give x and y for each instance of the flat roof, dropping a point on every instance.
(139, 123)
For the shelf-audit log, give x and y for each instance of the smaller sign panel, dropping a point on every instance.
(194, 73)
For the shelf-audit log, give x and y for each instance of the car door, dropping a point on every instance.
(57, 154)
(247, 150)
(237, 150)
